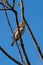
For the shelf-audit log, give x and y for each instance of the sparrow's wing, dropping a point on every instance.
(16, 35)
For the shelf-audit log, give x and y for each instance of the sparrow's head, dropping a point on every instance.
(21, 29)
(22, 24)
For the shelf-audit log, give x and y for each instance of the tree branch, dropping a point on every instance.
(8, 22)
(3, 4)
(29, 29)
(10, 57)
(8, 4)
(13, 4)
(10, 27)
(12, 33)
(22, 45)
(5, 9)
(21, 58)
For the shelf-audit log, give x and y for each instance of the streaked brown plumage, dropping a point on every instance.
(16, 34)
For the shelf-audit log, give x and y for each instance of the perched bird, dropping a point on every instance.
(16, 34)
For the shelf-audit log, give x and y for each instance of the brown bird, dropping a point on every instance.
(16, 34)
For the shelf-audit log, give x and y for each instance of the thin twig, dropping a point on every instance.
(10, 28)
(22, 45)
(21, 58)
(8, 22)
(3, 4)
(13, 3)
(29, 29)
(38, 48)
(8, 4)
(5, 9)
(10, 57)
(12, 33)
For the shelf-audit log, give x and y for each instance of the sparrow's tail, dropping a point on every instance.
(12, 44)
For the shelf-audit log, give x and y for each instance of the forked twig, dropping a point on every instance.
(8, 22)
(10, 57)
(22, 45)
(29, 29)
(11, 30)
(5, 9)
(21, 58)
(13, 3)
(12, 33)
(3, 4)
(21, 41)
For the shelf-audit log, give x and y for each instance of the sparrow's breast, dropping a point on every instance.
(16, 34)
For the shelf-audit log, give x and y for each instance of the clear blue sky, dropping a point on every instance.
(34, 17)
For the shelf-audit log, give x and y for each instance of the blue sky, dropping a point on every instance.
(34, 17)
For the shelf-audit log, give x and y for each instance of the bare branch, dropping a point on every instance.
(12, 33)
(8, 22)
(5, 9)
(10, 57)
(29, 29)
(22, 45)
(19, 31)
(3, 4)
(27, 25)
(8, 4)
(7, 18)
(21, 58)
(13, 3)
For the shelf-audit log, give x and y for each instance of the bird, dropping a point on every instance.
(16, 33)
